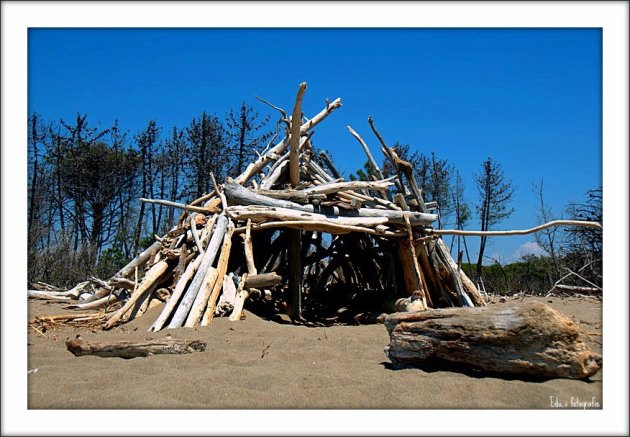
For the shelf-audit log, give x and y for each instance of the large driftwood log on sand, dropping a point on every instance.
(126, 349)
(523, 338)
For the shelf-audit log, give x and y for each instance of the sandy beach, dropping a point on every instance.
(262, 364)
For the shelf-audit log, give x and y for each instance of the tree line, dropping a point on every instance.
(84, 217)
(84, 182)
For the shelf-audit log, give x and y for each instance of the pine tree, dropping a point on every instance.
(244, 138)
(495, 194)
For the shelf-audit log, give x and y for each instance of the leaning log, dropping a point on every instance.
(467, 285)
(527, 338)
(150, 281)
(207, 259)
(126, 349)
(139, 260)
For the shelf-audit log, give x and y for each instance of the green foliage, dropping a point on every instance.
(367, 173)
(147, 241)
(531, 275)
(111, 260)
(495, 194)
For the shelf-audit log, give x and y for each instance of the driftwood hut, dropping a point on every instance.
(289, 236)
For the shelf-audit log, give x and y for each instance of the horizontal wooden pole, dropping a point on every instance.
(514, 232)
(318, 226)
(180, 205)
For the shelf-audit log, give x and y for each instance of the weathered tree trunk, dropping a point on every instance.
(126, 349)
(524, 338)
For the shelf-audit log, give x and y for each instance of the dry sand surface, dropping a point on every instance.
(256, 363)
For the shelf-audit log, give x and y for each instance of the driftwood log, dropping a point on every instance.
(523, 338)
(127, 349)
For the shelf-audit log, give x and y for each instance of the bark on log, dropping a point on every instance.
(125, 283)
(126, 349)
(527, 338)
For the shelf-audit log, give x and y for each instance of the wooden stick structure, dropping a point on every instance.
(315, 247)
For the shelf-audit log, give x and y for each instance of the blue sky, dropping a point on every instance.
(529, 98)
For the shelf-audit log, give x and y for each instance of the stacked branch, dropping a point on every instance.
(288, 236)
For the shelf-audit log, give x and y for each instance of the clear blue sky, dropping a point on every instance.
(529, 98)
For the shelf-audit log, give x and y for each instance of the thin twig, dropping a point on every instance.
(277, 108)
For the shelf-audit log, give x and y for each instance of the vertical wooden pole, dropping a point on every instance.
(294, 142)
(294, 307)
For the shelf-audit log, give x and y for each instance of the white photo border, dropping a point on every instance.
(17, 17)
